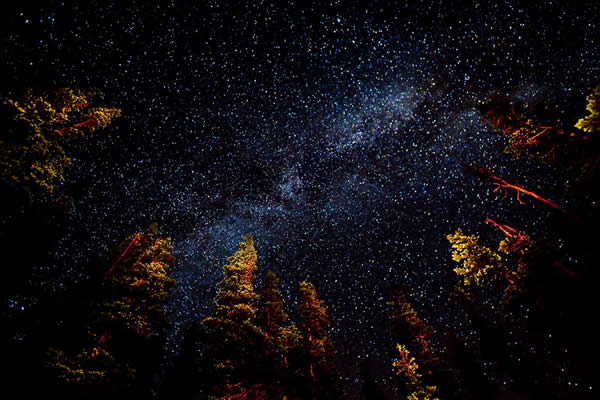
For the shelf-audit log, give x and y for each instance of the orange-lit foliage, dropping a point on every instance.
(236, 298)
(406, 365)
(514, 241)
(526, 135)
(414, 354)
(318, 353)
(407, 328)
(271, 313)
(131, 304)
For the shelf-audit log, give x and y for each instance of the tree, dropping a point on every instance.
(279, 341)
(407, 367)
(271, 313)
(125, 330)
(32, 157)
(411, 335)
(235, 350)
(407, 328)
(591, 123)
(317, 366)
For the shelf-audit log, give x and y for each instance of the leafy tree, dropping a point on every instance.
(126, 327)
(591, 123)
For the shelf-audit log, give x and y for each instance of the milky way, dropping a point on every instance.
(334, 134)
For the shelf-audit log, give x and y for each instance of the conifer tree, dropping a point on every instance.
(407, 367)
(271, 314)
(415, 364)
(126, 327)
(316, 365)
(279, 341)
(234, 353)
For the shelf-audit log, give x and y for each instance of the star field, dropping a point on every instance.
(333, 133)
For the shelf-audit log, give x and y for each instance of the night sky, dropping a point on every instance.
(333, 133)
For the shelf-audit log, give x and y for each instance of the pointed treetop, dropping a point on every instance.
(271, 313)
(314, 314)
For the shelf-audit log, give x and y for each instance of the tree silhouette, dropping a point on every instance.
(126, 328)
(415, 364)
(316, 365)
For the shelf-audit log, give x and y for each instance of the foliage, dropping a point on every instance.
(89, 366)
(406, 365)
(406, 326)
(126, 320)
(318, 363)
(477, 260)
(591, 123)
(236, 345)
(271, 313)
(525, 133)
(32, 156)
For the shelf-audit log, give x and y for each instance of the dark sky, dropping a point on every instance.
(333, 133)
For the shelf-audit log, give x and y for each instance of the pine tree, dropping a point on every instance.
(235, 351)
(407, 367)
(279, 341)
(271, 314)
(415, 364)
(122, 348)
(317, 365)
